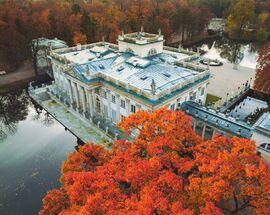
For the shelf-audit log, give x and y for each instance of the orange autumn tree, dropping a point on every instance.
(167, 169)
(263, 70)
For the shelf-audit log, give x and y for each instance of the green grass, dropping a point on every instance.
(210, 99)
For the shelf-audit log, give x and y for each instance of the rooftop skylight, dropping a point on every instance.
(144, 78)
(167, 75)
(135, 61)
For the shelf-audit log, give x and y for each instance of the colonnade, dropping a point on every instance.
(86, 101)
(81, 97)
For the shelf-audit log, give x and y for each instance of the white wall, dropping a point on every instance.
(259, 138)
(141, 50)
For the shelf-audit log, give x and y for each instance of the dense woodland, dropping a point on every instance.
(88, 21)
(168, 169)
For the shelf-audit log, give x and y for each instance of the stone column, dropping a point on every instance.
(87, 99)
(70, 91)
(203, 131)
(74, 86)
(214, 132)
(117, 96)
(91, 102)
(101, 106)
(194, 125)
(109, 104)
(82, 93)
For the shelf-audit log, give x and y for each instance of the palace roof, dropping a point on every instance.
(132, 70)
(263, 124)
(218, 120)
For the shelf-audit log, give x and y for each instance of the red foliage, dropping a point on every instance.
(167, 169)
(262, 81)
(82, 21)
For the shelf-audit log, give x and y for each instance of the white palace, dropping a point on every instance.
(110, 81)
(98, 84)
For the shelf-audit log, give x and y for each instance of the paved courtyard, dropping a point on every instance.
(225, 79)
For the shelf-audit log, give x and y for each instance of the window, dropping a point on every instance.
(97, 91)
(172, 106)
(202, 92)
(98, 105)
(199, 128)
(106, 113)
(114, 116)
(209, 131)
(133, 108)
(152, 52)
(105, 94)
(129, 50)
(179, 102)
(113, 99)
(192, 96)
(123, 104)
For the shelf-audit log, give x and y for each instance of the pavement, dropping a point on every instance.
(22, 75)
(226, 79)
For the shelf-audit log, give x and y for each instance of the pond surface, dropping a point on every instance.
(32, 148)
(226, 50)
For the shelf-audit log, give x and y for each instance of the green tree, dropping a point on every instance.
(241, 19)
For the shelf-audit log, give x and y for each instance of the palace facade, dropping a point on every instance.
(140, 73)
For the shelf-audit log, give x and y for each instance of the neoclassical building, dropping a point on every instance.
(140, 73)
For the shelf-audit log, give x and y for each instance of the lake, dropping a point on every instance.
(226, 50)
(32, 148)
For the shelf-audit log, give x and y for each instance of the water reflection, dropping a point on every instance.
(226, 50)
(230, 51)
(14, 108)
(31, 154)
(42, 116)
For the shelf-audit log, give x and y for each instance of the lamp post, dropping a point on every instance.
(227, 97)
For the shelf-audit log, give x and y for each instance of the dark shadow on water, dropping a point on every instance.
(14, 108)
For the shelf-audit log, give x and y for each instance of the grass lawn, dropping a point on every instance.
(210, 99)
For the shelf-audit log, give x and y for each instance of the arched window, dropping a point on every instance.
(129, 50)
(152, 52)
(98, 105)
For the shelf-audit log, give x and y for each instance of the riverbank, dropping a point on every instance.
(21, 78)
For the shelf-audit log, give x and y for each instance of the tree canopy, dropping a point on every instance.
(249, 20)
(167, 169)
(262, 79)
(88, 21)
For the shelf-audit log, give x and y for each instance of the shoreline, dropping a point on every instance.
(23, 83)
(21, 77)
